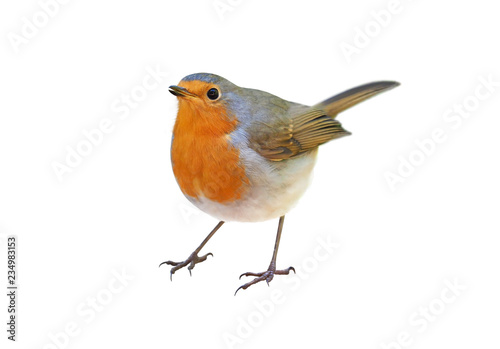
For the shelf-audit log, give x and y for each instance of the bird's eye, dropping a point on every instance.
(213, 94)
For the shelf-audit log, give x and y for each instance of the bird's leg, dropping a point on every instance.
(268, 275)
(193, 259)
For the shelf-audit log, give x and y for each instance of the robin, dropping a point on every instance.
(241, 154)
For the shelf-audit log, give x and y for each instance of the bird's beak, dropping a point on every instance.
(180, 91)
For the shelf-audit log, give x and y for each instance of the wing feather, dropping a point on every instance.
(297, 135)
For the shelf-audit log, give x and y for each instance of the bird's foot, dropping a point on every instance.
(192, 260)
(267, 275)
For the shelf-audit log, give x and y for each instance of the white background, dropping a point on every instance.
(120, 210)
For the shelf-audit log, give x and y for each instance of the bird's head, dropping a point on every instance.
(204, 101)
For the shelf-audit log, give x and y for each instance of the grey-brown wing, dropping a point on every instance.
(292, 136)
(301, 129)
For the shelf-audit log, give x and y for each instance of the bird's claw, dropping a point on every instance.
(192, 260)
(267, 275)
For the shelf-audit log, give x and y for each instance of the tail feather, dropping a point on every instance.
(338, 103)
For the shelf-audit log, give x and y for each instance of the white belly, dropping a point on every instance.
(275, 187)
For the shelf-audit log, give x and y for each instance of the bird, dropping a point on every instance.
(245, 155)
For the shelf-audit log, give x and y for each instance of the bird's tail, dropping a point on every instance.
(338, 103)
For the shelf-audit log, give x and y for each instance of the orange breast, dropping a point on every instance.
(203, 160)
